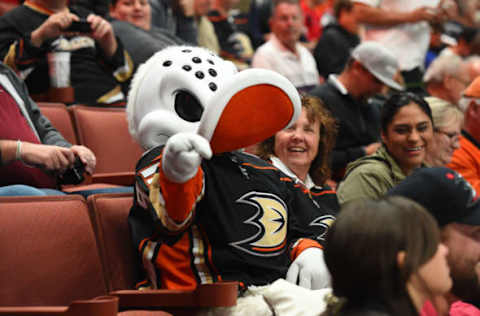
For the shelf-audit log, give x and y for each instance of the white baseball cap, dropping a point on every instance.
(379, 61)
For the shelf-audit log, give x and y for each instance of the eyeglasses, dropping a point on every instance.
(453, 136)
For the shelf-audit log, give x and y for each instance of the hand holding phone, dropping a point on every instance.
(81, 26)
(74, 175)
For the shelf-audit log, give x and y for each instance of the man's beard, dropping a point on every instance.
(466, 284)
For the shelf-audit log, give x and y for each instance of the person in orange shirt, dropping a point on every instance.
(466, 159)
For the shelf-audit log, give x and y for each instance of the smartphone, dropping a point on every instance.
(74, 175)
(81, 26)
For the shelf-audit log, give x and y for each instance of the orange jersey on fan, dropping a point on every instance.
(466, 160)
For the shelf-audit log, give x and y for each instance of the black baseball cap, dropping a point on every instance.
(444, 193)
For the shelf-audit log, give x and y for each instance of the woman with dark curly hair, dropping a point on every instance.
(302, 151)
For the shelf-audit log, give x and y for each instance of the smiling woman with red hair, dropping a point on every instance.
(302, 151)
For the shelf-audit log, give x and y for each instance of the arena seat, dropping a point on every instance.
(51, 261)
(105, 132)
(60, 118)
(49, 252)
(109, 213)
(61, 255)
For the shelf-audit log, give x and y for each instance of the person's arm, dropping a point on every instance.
(308, 224)
(377, 16)
(178, 182)
(46, 132)
(364, 182)
(53, 27)
(460, 11)
(49, 135)
(111, 51)
(17, 48)
(52, 158)
(50, 154)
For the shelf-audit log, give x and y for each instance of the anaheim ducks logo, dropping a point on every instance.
(325, 222)
(271, 221)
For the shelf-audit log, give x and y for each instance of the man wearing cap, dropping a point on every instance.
(466, 159)
(370, 68)
(453, 202)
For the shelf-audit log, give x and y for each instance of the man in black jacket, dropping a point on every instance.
(371, 67)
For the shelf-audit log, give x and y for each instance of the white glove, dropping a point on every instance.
(309, 269)
(183, 154)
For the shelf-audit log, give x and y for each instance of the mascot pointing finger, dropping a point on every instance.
(204, 211)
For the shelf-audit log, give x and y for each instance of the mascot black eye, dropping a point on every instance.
(187, 106)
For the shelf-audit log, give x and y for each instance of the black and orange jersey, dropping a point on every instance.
(326, 196)
(239, 218)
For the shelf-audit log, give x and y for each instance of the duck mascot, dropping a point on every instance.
(204, 211)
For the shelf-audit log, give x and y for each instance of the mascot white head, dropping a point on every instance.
(190, 89)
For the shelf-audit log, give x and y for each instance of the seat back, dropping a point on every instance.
(60, 118)
(49, 252)
(105, 132)
(110, 213)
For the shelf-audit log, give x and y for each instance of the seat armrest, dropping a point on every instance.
(220, 294)
(126, 178)
(33, 310)
(100, 306)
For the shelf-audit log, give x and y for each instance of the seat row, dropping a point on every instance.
(62, 249)
(105, 132)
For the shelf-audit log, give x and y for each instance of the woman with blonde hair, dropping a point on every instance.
(447, 122)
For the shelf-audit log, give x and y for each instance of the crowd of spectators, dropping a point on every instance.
(304, 40)
(390, 106)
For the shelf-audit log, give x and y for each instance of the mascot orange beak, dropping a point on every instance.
(251, 107)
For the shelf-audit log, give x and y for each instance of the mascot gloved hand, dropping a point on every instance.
(309, 270)
(183, 155)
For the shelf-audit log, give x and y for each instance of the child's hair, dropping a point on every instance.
(362, 248)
